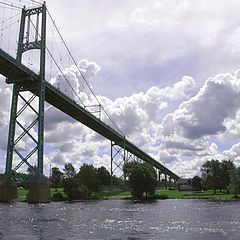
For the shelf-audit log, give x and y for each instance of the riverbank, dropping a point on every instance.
(160, 194)
(209, 195)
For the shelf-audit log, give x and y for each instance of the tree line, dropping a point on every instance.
(85, 182)
(218, 175)
(141, 179)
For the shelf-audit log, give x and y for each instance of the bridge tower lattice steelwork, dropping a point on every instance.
(35, 92)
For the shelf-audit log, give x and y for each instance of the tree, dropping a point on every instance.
(142, 179)
(70, 186)
(235, 181)
(87, 176)
(69, 170)
(226, 167)
(56, 177)
(211, 174)
(197, 183)
(117, 181)
(69, 182)
(82, 184)
(216, 175)
(103, 176)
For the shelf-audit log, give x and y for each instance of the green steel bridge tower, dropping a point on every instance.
(36, 91)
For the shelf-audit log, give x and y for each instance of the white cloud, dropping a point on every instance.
(204, 114)
(76, 80)
(5, 100)
(232, 128)
(232, 43)
(233, 153)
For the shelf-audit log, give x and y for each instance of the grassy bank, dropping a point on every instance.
(22, 193)
(161, 194)
(209, 194)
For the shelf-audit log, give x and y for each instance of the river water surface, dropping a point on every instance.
(120, 219)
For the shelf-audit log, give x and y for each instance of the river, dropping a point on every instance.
(121, 219)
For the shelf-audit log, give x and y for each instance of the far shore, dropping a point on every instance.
(159, 195)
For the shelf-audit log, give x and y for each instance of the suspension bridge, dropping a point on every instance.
(32, 88)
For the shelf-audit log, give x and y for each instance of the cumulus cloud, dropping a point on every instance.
(201, 24)
(233, 153)
(204, 114)
(232, 129)
(76, 80)
(5, 100)
(141, 110)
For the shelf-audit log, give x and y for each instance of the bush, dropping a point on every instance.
(142, 179)
(161, 196)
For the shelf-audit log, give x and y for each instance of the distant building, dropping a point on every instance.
(185, 184)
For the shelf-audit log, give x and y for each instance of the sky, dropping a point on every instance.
(167, 72)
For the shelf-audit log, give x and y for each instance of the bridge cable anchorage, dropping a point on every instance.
(74, 61)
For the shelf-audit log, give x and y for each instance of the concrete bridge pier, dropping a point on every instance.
(39, 193)
(8, 192)
(165, 181)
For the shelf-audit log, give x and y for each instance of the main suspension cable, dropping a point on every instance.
(11, 5)
(82, 73)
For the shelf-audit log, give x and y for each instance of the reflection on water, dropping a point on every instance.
(115, 220)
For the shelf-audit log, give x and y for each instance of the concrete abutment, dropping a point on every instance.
(39, 194)
(8, 193)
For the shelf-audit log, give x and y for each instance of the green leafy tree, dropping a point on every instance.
(70, 186)
(211, 174)
(235, 181)
(142, 179)
(69, 182)
(56, 177)
(69, 170)
(82, 184)
(117, 181)
(216, 174)
(87, 176)
(103, 176)
(197, 183)
(226, 167)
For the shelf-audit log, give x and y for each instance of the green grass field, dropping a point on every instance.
(175, 194)
(22, 193)
(160, 194)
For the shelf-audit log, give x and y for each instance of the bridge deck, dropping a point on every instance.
(14, 71)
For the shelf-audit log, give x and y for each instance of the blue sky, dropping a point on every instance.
(166, 71)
